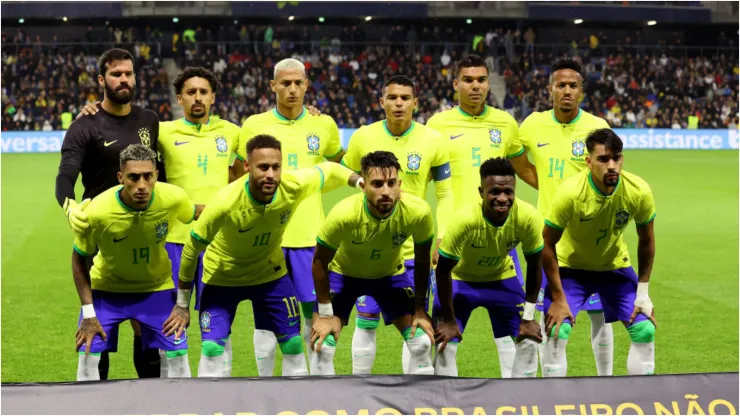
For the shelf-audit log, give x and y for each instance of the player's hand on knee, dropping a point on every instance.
(446, 331)
(177, 322)
(89, 327)
(645, 312)
(559, 311)
(529, 329)
(313, 110)
(323, 327)
(643, 305)
(88, 110)
(421, 319)
(76, 215)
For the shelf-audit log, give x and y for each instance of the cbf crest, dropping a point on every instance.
(221, 144)
(205, 321)
(285, 216)
(578, 148)
(314, 143)
(621, 218)
(399, 238)
(160, 229)
(413, 161)
(145, 137)
(511, 244)
(495, 136)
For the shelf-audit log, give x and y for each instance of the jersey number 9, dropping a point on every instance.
(293, 160)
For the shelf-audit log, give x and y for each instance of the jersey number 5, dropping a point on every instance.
(476, 156)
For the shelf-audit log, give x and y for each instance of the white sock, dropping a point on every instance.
(555, 362)
(602, 342)
(541, 347)
(178, 367)
(525, 360)
(322, 363)
(228, 358)
(420, 348)
(162, 364)
(307, 324)
(294, 365)
(641, 359)
(87, 367)
(446, 364)
(211, 367)
(265, 345)
(405, 358)
(363, 350)
(506, 353)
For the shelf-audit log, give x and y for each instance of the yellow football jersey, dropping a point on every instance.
(197, 159)
(421, 151)
(593, 223)
(557, 150)
(244, 236)
(472, 141)
(482, 248)
(369, 247)
(131, 256)
(306, 142)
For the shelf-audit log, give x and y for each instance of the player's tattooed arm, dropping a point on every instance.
(525, 170)
(324, 323)
(559, 310)
(447, 329)
(89, 325)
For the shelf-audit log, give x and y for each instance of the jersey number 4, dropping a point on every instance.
(203, 163)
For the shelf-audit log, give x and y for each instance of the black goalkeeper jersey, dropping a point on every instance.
(93, 144)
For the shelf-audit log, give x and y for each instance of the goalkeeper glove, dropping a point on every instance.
(76, 215)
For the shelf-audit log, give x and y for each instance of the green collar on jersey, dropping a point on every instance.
(597, 190)
(483, 214)
(253, 199)
(191, 124)
(128, 208)
(404, 134)
(283, 118)
(370, 213)
(574, 121)
(483, 114)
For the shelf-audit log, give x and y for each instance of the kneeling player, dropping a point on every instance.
(359, 252)
(474, 264)
(130, 278)
(587, 219)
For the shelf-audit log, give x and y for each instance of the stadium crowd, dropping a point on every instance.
(629, 88)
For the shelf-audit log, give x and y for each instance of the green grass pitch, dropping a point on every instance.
(694, 285)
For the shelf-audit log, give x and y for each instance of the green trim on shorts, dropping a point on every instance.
(97, 354)
(365, 323)
(292, 346)
(407, 333)
(175, 353)
(307, 309)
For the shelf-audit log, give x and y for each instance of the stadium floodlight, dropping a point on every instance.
(652, 23)
(578, 21)
(291, 18)
(175, 20)
(469, 21)
(321, 19)
(21, 20)
(368, 18)
(64, 18)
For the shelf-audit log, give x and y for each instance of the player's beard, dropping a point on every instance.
(198, 112)
(384, 206)
(119, 96)
(611, 180)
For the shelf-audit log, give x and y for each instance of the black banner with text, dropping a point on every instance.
(709, 394)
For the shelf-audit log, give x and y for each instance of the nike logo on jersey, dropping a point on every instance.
(355, 242)
(542, 144)
(474, 246)
(586, 219)
(179, 143)
(106, 144)
(455, 137)
(117, 240)
(244, 231)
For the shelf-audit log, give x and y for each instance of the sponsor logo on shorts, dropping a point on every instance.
(541, 296)
(593, 301)
(179, 341)
(205, 321)
(293, 322)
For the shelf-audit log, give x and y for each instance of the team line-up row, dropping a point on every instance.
(260, 231)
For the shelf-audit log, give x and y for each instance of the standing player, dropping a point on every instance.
(361, 243)
(586, 221)
(130, 279)
(475, 265)
(425, 156)
(243, 228)
(92, 146)
(306, 141)
(556, 140)
(477, 133)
